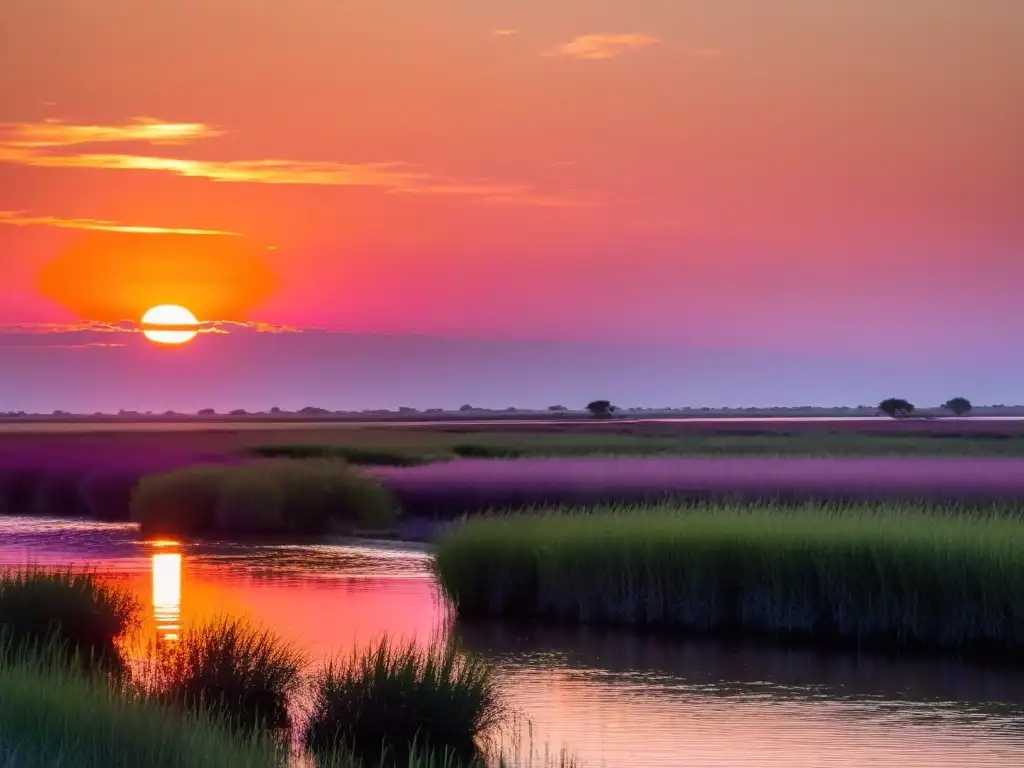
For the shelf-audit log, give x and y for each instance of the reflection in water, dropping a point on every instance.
(613, 698)
(167, 595)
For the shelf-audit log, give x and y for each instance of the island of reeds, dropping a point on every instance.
(869, 575)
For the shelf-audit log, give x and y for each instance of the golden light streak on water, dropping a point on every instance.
(167, 595)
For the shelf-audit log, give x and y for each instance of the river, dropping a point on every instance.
(614, 699)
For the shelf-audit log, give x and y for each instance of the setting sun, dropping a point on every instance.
(169, 324)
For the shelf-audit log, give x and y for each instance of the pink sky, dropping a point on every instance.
(790, 176)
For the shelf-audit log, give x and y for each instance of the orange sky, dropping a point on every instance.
(435, 168)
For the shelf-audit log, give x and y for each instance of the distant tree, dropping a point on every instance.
(557, 408)
(896, 407)
(275, 410)
(407, 409)
(239, 412)
(466, 408)
(600, 409)
(207, 412)
(311, 410)
(958, 406)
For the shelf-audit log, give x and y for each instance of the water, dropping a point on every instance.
(614, 698)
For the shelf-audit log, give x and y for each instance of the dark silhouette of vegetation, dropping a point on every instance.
(557, 408)
(390, 697)
(958, 406)
(206, 412)
(896, 407)
(600, 409)
(232, 669)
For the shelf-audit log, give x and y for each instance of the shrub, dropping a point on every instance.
(396, 698)
(274, 496)
(231, 669)
(52, 715)
(883, 575)
(75, 610)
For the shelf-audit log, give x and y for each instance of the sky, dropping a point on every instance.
(374, 203)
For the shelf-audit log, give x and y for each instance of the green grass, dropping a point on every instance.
(392, 696)
(53, 716)
(263, 497)
(244, 674)
(353, 454)
(410, 446)
(76, 610)
(888, 575)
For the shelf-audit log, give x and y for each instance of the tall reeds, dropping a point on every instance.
(383, 702)
(78, 611)
(273, 496)
(237, 671)
(897, 576)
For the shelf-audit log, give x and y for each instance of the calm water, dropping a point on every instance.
(612, 698)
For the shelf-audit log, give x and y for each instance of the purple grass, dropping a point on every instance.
(439, 490)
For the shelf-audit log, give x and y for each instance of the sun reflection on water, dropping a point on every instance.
(167, 595)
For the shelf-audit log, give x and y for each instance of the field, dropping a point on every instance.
(443, 470)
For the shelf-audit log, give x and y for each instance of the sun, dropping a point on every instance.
(169, 324)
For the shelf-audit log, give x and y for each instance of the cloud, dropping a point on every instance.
(92, 334)
(33, 144)
(505, 32)
(19, 219)
(55, 133)
(598, 46)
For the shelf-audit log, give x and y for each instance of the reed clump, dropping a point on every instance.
(883, 574)
(389, 699)
(241, 673)
(365, 456)
(263, 497)
(76, 610)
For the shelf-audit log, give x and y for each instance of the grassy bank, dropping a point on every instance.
(880, 575)
(263, 497)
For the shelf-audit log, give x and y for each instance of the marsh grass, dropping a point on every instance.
(239, 672)
(73, 609)
(389, 699)
(272, 496)
(353, 454)
(873, 574)
(52, 714)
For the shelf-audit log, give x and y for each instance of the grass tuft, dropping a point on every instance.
(230, 668)
(76, 610)
(273, 496)
(890, 575)
(391, 698)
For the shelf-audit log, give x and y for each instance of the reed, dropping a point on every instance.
(264, 497)
(54, 715)
(84, 615)
(237, 671)
(882, 574)
(392, 699)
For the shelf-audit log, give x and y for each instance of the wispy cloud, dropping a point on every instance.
(130, 326)
(602, 46)
(20, 219)
(505, 32)
(33, 145)
(55, 133)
